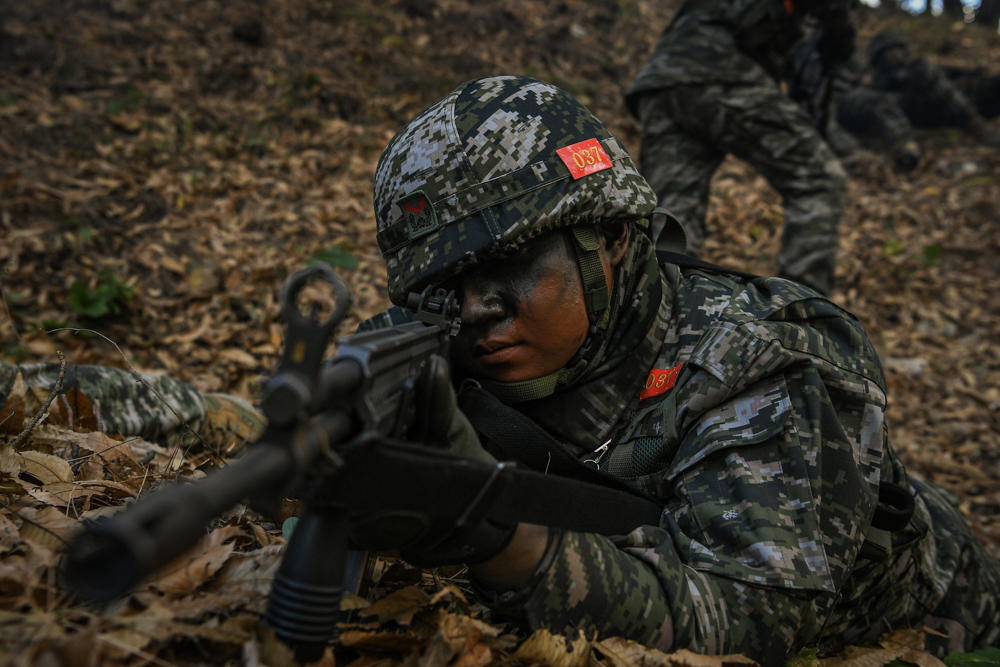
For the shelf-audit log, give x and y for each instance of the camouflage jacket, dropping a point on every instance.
(767, 453)
(724, 41)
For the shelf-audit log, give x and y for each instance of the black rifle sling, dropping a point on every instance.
(477, 491)
(686, 262)
(895, 504)
(521, 439)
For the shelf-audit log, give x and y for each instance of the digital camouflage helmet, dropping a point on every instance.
(496, 162)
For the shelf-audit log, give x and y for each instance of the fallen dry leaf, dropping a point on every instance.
(351, 601)
(105, 447)
(46, 468)
(627, 653)
(10, 460)
(9, 534)
(47, 526)
(913, 641)
(855, 656)
(249, 574)
(191, 570)
(381, 642)
(12, 417)
(554, 650)
(75, 411)
(686, 658)
(399, 606)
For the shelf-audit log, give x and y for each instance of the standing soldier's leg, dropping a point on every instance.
(678, 166)
(758, 124)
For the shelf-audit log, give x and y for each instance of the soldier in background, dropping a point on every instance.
(907, 92)
(925, 93)
(837, 101)
(711, 87)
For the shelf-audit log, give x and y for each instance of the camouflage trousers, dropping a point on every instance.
(968, 614)
(983, 92)
(114, 401)
(687, 130)
(927, 97)
(868, 112)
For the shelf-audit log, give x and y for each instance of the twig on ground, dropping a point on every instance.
(45, 406)
(139, 379)
(122, 646)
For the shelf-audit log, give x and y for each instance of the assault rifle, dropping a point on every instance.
(352, 440)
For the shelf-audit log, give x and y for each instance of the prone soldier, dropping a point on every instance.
(752, 409)
(907, 92)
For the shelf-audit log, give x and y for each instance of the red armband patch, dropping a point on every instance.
(585, 158)
(660, 381)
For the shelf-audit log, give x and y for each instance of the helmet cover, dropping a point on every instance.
(477, 174)
(884, 41)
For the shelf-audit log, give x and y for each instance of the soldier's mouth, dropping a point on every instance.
(493, 351)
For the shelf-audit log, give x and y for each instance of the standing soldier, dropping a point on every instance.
(711, 88)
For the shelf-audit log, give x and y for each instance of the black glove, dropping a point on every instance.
(427, 541)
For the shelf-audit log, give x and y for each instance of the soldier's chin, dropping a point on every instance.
(514, 363)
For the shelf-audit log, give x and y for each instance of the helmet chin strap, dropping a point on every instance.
(598, 302)
(595, 285)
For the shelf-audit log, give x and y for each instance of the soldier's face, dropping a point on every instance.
(895, 57)
(523, 316)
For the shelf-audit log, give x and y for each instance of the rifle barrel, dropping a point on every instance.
(114, 554)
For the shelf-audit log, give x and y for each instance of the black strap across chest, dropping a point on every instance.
(521, 439)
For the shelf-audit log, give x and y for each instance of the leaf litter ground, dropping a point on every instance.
(165, 165)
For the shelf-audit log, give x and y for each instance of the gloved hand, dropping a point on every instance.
(439, 422)
(431, 541)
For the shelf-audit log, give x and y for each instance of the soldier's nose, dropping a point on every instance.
(481, 303)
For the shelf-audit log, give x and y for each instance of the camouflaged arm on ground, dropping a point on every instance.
(124, 405)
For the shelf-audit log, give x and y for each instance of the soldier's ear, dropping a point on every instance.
(614, 241)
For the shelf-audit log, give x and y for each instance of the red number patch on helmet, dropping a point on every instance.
(659, 381)
(585, 158)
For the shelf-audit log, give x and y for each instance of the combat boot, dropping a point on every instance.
(906, 154)
(984, 133)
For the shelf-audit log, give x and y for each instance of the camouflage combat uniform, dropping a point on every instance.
(711, 88)
(155, 409)
(907, 92)
(767, 452)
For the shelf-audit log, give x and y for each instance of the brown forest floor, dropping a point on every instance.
(196, 152)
